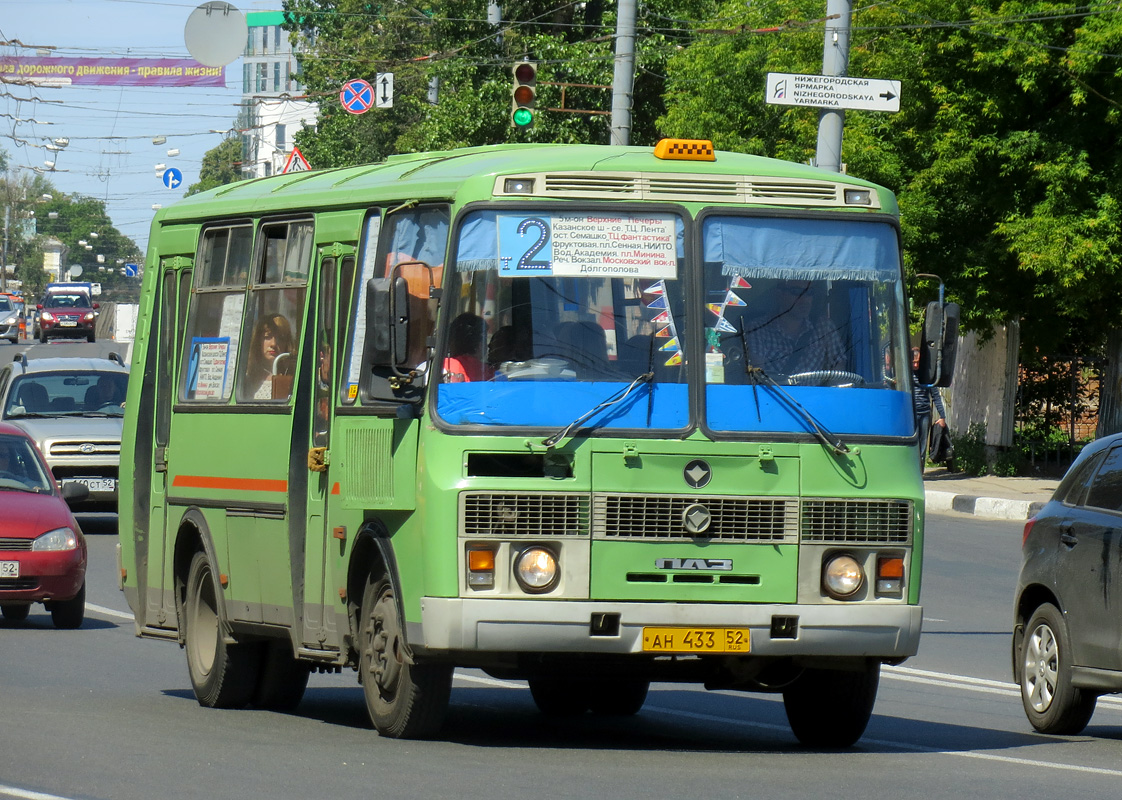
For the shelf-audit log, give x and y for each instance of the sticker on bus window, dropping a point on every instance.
(208, 368)
(587, 245)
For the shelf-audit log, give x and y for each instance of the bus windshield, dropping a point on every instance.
(556, 310)
(804, 307)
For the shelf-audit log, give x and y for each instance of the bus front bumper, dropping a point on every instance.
(552, 626)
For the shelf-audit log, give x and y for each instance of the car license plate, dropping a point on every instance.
(9, 569)
(68, 324)
(99, 484)
(695, 640)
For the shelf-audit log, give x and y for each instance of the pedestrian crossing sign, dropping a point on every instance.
(296, 162)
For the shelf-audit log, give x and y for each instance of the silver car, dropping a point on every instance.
(9, 319)
(73, 409)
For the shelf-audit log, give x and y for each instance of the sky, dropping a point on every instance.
(111, 155)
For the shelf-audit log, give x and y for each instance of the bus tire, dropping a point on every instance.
(223, 675)
(829, 708)
(404, 700)
(69, 614)
(560, 697)
(618, 697)
(283, 679)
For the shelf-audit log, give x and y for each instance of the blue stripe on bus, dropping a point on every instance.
(879, 412)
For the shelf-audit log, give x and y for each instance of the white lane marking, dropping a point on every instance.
(24, 794)
(908, 674)
(112, 612)
(922, 676)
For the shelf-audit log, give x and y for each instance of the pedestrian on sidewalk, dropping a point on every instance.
(929, 409)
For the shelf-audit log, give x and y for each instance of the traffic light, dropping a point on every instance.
(523, 94)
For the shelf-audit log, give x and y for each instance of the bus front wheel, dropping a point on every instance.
(405, 700)
(829, 708)
(223, 675)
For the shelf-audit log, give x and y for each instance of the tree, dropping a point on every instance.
(221, 165)
(471, 60)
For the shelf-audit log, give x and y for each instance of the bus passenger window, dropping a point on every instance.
(271, 363)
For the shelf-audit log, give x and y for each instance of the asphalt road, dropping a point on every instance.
(97, 713)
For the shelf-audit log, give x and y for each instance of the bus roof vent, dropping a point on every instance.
(592, 185)
(761, 190)
(678, 187)
(690, 187)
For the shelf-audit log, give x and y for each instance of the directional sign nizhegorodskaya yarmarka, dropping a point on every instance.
(833, 91)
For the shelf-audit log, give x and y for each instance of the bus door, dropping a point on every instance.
(174, 295)
(337, 266)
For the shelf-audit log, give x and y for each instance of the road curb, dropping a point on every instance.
(988, 507)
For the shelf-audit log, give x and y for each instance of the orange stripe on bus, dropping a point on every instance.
(335, 488)
(239, 484)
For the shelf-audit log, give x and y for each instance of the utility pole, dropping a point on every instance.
(835, 62)
(4, 255)
(623, 76)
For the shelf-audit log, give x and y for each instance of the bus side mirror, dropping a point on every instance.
(939, 348)
(387, 320)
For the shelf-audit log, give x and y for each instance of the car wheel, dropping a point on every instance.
(405, 700)
(69, 614)
(90, 337)
(43, 338)
(559, 697)
(830, 708)
(618, 697)
(223, 675)
(1051, 703)
(15, 611)
(283, 678)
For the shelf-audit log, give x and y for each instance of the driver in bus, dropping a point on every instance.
(791, 336)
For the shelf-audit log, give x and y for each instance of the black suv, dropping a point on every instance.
(1067, 626)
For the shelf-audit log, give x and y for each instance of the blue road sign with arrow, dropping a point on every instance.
(172, 177)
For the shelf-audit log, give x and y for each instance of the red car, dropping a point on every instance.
(42, 550)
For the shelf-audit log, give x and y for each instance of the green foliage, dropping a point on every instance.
(221, 165)
(970, 449)
(76, 219)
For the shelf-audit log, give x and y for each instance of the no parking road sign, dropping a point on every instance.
(357, 96)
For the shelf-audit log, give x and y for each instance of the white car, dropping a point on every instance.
(73, 409)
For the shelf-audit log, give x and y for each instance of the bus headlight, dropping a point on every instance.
(536, 570)
(842, 576)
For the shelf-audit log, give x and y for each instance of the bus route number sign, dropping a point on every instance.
(587, 245)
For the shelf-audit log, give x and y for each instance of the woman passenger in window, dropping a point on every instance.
(270, 354)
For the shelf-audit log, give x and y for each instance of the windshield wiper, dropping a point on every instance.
(551, 441)
(820, 431)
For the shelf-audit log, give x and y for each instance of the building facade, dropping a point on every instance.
(272, 106)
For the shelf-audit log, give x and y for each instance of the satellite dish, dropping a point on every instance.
(216, 33)
(75, 270)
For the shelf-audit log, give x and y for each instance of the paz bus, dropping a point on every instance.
(590, 417)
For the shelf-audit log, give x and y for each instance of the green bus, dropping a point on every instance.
(585, 416)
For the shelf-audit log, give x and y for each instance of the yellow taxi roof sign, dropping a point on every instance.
(685, 150)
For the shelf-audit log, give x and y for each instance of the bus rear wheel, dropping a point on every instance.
(283, 679)
(829, 708)
(404, 700)
(223, 675)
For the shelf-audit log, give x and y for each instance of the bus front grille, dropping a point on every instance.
(523, 514)
(848, 521)
(688, 518)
